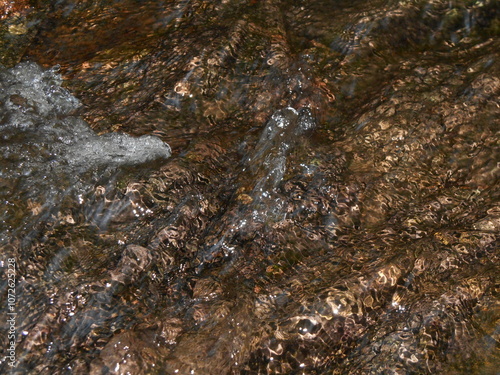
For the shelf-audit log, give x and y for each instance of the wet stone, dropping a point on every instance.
(251, 187)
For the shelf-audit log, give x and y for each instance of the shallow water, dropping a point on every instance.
(329, 204)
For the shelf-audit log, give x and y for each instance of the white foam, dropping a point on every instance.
(45, 147)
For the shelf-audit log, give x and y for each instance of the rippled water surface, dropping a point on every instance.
(250, 187)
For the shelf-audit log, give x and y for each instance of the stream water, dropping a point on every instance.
(249, 187)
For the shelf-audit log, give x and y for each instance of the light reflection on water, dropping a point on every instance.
(330, 205)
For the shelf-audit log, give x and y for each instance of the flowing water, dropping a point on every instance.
(249, 187)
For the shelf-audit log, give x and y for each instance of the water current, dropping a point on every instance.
(249, 187)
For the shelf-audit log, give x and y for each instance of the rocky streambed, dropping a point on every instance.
(250, 187)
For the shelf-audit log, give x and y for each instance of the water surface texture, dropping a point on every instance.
(250, 187)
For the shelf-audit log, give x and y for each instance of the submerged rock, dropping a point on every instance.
(330, 205)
